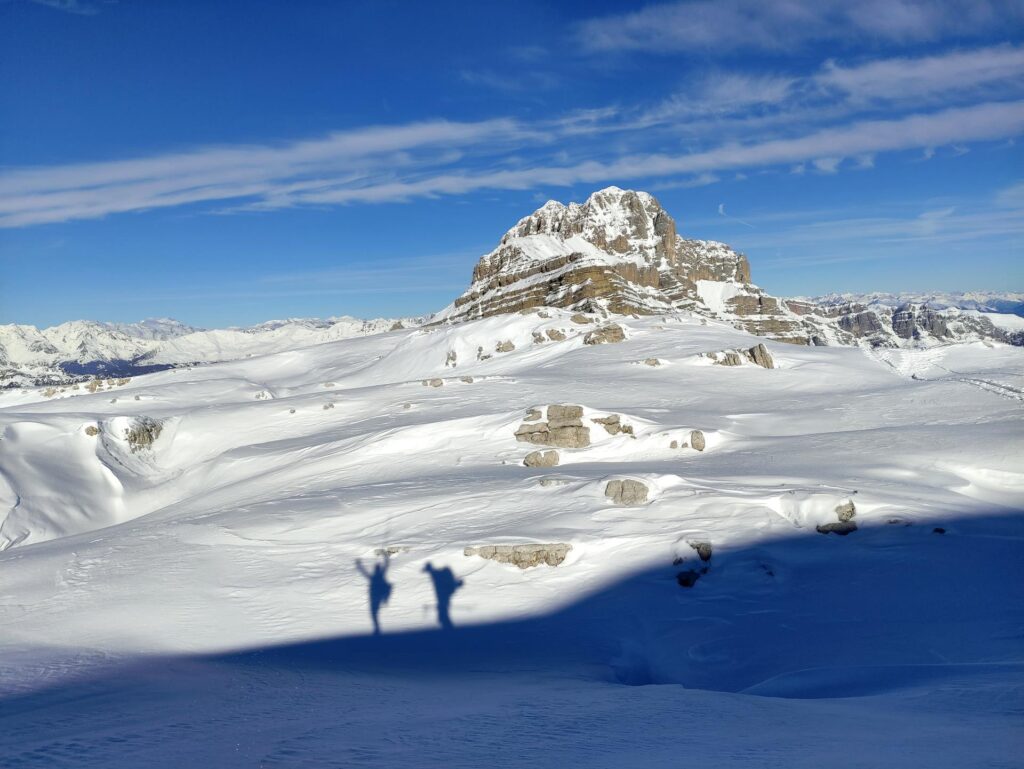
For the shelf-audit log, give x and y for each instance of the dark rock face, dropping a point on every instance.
(911, 321)
(842, 528)
(703, 549)
(861, 323)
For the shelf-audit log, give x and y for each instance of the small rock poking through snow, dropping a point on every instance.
(541, 459)
(523, 556)
(845, 512)
(609, 334)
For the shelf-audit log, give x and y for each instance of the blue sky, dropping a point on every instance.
(227, 162)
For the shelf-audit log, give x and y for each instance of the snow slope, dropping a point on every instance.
(198, 601)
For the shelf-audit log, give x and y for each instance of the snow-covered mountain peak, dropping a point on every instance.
(616, 221)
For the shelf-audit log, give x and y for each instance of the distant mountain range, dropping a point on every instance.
(82, 349)
(1004, 302)
(617, 253)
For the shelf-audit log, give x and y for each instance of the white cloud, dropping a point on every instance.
(89, 190)
(978, 123)
(725, 26)
(943, 74)
(721, 93)
(396, 163)
(1012, 196)
(827, 165)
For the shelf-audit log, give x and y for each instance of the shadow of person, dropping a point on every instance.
(445, 585)
(380, 588)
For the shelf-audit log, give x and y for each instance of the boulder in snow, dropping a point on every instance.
(541, 459)
(609, 334)
(626, 492)
(523, 556)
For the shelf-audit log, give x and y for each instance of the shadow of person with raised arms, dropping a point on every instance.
(445, 585)
(380, 588)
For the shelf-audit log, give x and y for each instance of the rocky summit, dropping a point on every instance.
(620, 252)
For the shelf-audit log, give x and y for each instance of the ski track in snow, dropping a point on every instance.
(197, 602)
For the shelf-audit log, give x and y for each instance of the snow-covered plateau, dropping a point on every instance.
(588, 538)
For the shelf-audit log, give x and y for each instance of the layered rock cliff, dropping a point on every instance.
(619, 252)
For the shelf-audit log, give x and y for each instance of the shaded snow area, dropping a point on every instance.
(817, 564)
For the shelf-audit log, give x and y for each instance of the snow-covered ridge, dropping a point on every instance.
(29, 355)
(983, 301)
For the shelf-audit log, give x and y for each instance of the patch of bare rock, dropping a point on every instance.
(541, 459)
(758, 355)
(626, 491)
(614, 425)
(610, 334)
(563, 428)
(523, 556)
(845, 512)
(689, 577)
(143, 432)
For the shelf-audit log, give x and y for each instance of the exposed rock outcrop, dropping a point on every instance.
(523, 556)
(610, 334)
(758, 355)
(143, 433)
(541, 459)
(703, 548)
(626, 492)
(697, 440)
(618, 252)
(613, 425)
(845, 512)
(564, 428)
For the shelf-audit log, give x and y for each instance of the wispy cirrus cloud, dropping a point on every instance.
(728, 26)
(729, 121)
(977, 123)
(414, 161)
(998, 68)
(70, 6)
(90, 190)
